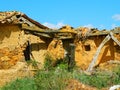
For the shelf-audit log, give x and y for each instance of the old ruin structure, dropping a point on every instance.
(15, 44)
(22, 38)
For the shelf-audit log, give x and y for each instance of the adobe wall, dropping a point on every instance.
(84, 51)
(12, 38)
(9, 36)
(84, 57)
(55, 49)
(12, 41)
(38, 49)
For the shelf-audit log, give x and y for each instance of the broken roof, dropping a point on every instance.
(15, 17)
(66, 32)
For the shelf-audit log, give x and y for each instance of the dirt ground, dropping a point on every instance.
(21, 69)
(18, 71)
(76, 85)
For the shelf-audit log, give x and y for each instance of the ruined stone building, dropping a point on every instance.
(22, 38)
(15, 44)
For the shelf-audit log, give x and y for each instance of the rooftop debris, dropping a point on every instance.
(15, 17)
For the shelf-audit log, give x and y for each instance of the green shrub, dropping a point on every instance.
(33, 63)
(21, 84)
(51, 64)
(51, 80)
(99, 79)
(48, 63)
(56, 78)
(62, 64)
(116, 75)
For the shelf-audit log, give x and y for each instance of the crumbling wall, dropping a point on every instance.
(38, 49)
(9, 58)
(55, 49)
(11, 45)
(12, 38)
(107, 53)
(85, 51)
(9, 36)
(83, 57)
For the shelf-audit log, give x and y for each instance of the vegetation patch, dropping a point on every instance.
(21, 84)
(58, 77)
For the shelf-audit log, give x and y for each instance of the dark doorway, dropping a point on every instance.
(27, 51)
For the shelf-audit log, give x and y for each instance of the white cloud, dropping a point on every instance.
(116, 17)
(89, 26)
(54, 26)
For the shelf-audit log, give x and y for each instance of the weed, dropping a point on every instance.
(48, 63)
(51, 80)
(33, 63)
(21, 84)
(57, 77)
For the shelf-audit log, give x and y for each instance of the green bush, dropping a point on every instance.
(52, 80)
(116, 75)
(51, 64)
(56, 79)
(33, 63)
(21, 84)
(99, 79)
(48, 63)
(94, 80)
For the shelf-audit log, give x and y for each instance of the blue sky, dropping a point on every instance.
(55, 13)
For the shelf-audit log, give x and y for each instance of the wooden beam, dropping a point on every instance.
(71, 62)
(60, 34)
(42, 34)
(99, 33)
(32, 28)
(114, 39)
(90, 68)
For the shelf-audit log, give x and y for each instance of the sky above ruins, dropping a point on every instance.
(101, 14)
